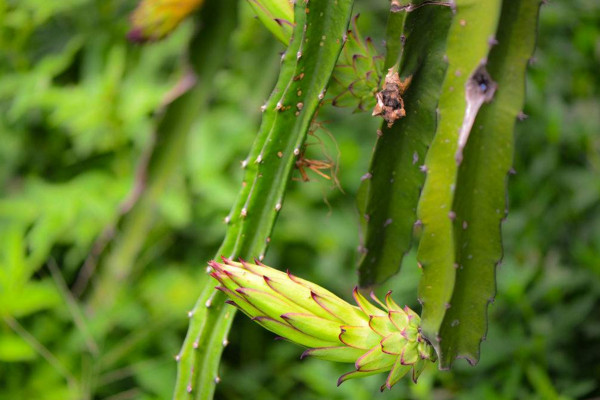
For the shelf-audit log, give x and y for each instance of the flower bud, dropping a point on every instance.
(375, 339)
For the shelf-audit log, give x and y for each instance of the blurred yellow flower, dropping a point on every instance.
(155, 19)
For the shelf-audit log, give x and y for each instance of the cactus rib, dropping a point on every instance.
(318, 33)
(479, 202)
(390, 191)
(473, 23)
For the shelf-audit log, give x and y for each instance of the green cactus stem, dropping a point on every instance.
(394, 37)
(305, 71)
(473, 24)
(390, 190)
(376, 340)
(480, 199)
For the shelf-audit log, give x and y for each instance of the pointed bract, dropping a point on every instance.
(336, 353)
(396, 373)
(313, 325)
(359, 337)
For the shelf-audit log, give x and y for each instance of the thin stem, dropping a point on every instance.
(73, 307)
(41, 350)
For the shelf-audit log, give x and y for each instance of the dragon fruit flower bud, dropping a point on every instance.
(375, 338)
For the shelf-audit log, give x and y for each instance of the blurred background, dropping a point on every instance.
(78, 112)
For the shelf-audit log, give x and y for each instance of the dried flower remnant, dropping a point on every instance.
(390, 104)
(318, 166)
(314, 165)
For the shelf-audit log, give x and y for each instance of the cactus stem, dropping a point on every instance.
(209, 301)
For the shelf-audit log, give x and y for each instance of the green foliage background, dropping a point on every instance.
(77, 113)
